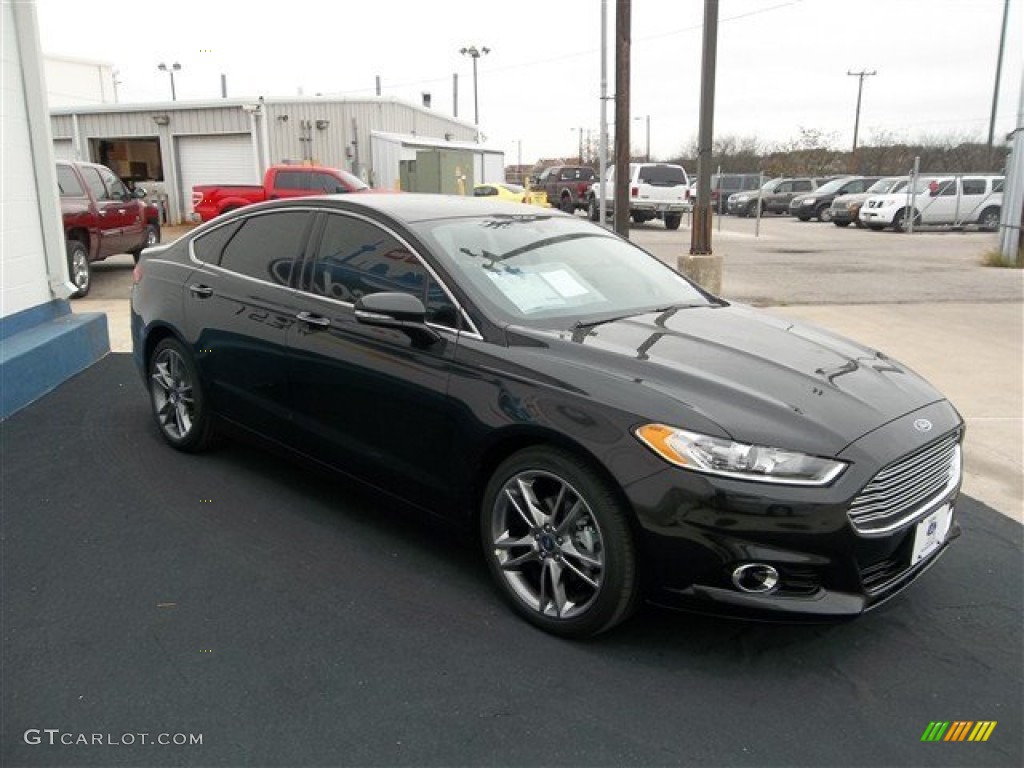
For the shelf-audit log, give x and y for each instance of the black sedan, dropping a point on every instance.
(611, 431)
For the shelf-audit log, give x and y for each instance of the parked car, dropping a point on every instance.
(279, 181)
(939, 200)
(774, 196)
(818, 204)
(502, 190)
(102, 217)
(845, 208)
(565, 186)
(611, 431)
(656, 191)
(724, 185)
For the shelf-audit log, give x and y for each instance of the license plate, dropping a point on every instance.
(931, 533)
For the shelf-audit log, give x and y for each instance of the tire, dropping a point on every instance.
(804, 218)
(177, 398)
(594, 209)
(875, 227)
(989, 220)
(841, 223)
(824, 213)
(558, 543)
(673, 220)
(751, 211)
(79, 269)
(567, 205)
(152, 238)
(899, 223)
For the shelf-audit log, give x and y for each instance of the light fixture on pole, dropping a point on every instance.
(647, 153)
(170, 70)
(475, 53)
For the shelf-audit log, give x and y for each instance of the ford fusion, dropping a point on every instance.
(610, 431)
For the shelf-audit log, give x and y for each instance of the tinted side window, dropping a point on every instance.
(208, 247)
(95, 183)
(292, 180)
(327, 183)
(115, 187)
(68, 182)
(266, 247)
(947, 188)
(974, 186)
(802, 185)
(357, 258)
(485, 191)
(786, 186)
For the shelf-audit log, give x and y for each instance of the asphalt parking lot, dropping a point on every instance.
(290, 619)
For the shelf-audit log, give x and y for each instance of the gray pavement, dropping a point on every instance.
(924, 299)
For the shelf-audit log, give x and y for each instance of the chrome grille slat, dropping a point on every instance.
(902, 489)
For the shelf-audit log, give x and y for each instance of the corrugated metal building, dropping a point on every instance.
(170, 147)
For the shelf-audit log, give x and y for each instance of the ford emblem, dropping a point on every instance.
(923, 425)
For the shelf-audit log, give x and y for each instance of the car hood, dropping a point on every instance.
(757, 377)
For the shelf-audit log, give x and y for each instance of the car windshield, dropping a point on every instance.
(833, 186)
(553, 272)
(890, 184)
(353, 181)
(769, 186)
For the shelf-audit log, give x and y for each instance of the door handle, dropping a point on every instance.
(201, 291)
(315, 320)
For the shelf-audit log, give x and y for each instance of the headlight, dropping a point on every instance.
(809, 201)
(719, 456)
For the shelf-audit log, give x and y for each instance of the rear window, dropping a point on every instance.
(68, 182)
(662, 175)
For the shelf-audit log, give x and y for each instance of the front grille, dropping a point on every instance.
(905, 488)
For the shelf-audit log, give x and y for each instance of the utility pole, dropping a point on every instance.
(623, 19)
(700, 236)
(860, 88)
(602, 141)
(995, 90)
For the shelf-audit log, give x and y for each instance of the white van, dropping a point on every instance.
(939, 200)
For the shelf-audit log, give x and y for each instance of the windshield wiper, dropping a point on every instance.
(655, 310)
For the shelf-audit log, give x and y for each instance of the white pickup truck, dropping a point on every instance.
(656, 191)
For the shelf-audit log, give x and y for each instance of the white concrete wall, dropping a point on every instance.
(30, 224)
(77, 82)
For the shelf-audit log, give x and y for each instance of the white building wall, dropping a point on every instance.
(30, 218)
(78, 82)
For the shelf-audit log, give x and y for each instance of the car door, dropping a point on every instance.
(941, 201)
(129, 213)
(778, 199)
(112, 213)
(239, 307)
(368, 400)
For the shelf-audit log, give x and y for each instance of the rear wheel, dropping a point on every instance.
(673, 220)
(558, 544)
(177, 398)
(989, 220)
(567, 204)
(79, 270)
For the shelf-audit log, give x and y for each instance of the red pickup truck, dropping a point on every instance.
(211, 200)
(101, 217)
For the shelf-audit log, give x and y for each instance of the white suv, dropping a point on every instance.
(949, 200)
(656, 191)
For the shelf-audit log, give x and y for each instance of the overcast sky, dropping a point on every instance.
(782, 64)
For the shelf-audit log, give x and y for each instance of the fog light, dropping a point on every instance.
(755, 577)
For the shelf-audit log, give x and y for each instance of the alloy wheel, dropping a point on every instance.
(548, 545)
(172, 391)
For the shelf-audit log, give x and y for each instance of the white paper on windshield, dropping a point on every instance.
(550, 289)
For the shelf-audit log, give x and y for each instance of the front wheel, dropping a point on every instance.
(79, 270)
(841, 223)
(567, 204)
(824, 214)
(593, 209)
(177, 398)
(989, 220)
(558, 544)
(899, 221)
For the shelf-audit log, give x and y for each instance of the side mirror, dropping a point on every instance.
(397, 310)
(139, 193)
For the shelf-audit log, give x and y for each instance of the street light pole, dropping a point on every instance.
(475, 53)
(647, 152)
(170, 70)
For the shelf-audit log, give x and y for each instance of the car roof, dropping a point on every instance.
(411, 207)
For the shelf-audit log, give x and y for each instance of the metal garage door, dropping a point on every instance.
(63, 149)
(214, 160)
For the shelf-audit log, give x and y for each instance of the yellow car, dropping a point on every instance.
(501, 190)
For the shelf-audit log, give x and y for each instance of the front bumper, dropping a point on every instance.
(697, 529)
